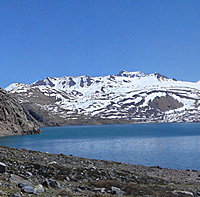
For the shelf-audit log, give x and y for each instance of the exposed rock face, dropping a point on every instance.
(13, 120)
(165, 103)
(129, 97)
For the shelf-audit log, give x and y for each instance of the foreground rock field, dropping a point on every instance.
(31, 173)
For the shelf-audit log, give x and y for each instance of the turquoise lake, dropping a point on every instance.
(172, 145)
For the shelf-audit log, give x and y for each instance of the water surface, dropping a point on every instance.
(167, 145)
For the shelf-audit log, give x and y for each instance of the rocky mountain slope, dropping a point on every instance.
(13, 120)
(128, 97)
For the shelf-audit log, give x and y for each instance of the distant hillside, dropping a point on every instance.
(13, 120)
(127, 97)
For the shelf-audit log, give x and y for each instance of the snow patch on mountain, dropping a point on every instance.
(130, 96)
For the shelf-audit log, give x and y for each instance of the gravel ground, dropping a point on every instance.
(32, 173)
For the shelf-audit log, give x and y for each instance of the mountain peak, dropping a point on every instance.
(46, 81)
(139, 74)
(124, 73)
(162, 77)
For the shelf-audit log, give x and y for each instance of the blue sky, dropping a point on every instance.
(40, 38)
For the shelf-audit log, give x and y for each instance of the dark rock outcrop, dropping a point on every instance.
(165, 103)
(13, 120)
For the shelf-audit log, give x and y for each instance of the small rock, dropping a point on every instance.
(39, 188)
(85, 181)
(67, 178)
(22, 185)
(51, 183)
(29, 174)
(28, 189)
(81, 187)
(194, 170)
(117, 190)
(8, 185)
(65, 192)
(2, 193)
(52, 163)
(78, 190)
(185, 193)
(46, 183)
(22, 167)
(54, 183)
(15, 195)
(198, 193)
(92, 167)
(2, 167)
(102, 190)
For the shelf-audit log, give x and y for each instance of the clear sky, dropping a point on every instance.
(41, 38)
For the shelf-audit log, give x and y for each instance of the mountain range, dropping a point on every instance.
(128, 97)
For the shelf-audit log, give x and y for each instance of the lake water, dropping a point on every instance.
(167, 145)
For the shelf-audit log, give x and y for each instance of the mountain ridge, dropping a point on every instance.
(128, 97)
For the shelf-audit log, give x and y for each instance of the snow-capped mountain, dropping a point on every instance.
(122, 98)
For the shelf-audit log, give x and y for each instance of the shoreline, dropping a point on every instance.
(11, 133)
(59, 174)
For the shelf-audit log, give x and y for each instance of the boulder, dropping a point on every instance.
(18, 180)
(28, 189)
(51, 183)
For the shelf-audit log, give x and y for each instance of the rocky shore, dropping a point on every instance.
(13, 120)
(32, 173)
